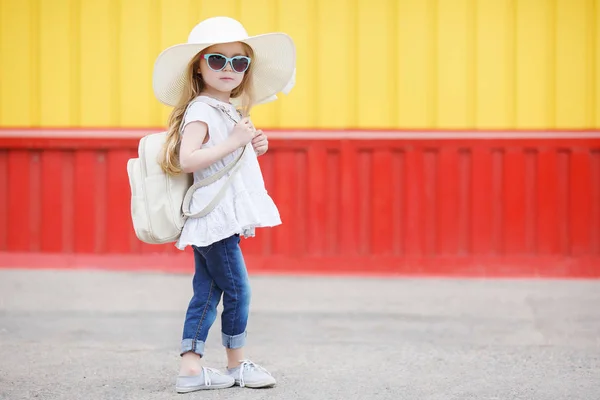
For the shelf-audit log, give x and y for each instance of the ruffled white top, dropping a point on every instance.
(246, 204)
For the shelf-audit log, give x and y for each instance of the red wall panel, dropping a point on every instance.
(392, 203)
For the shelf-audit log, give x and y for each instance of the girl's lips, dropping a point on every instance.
(226, 79)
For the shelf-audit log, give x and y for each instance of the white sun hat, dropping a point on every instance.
(273, 63)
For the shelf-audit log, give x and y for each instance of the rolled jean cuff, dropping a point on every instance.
(195, 346)
(234, 342)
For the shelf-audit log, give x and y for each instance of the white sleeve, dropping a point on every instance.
(199, 111)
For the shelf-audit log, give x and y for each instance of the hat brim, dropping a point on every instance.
(273, 67)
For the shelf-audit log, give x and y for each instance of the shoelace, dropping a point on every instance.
(251, 367)
(207, 380)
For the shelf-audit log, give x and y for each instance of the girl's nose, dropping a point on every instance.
(228, 67)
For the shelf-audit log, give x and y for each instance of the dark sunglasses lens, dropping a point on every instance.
(240, 64)
(216, 61)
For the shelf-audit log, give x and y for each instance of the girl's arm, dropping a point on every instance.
(193, 157)
(260, 143)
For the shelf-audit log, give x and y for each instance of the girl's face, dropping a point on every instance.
(227, 78)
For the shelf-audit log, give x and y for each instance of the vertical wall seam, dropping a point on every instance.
(515, 65)
(562, 167)
(303, 198)
(596, 92)
(314, 67)
(531, 200)
(466, 193)
(591, 64)
(116, 63)
(275, 17)
(75, 70)
(433, 61)
(399, 193)
(472, 64)
(365, 160)
(1, 62)
(4, 199)
(551, 82)
(101, 178)
(68, 194)
(155, 32)
(435, 225)
(511, 60)
(35, 67)
(497, 199)
(353, 39)
(332, 200)
(595, 212)
(35, 200)
(394, 116)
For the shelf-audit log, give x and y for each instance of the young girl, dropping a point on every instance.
(219, 65)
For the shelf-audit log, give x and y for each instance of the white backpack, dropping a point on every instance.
(160, 203)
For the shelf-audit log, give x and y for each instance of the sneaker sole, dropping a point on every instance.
(204, 387)
(259, 385)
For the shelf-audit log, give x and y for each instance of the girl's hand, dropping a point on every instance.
(243, 132)
(260, 143)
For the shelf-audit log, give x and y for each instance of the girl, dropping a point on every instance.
(204, 79)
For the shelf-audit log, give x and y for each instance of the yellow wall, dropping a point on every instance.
(361, 63)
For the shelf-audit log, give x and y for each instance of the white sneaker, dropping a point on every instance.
(251, 375)
(209, 379)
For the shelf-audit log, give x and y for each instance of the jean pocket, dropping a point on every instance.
(203, 250)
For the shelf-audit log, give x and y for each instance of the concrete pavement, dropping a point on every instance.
(108, 335)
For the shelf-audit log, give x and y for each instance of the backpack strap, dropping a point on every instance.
(233, 166)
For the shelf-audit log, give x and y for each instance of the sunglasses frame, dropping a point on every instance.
(227, 60)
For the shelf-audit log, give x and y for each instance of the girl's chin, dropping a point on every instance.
(225, 86)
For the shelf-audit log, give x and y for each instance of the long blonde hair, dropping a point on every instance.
(193, 86)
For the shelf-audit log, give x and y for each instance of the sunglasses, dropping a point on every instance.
(217, 62)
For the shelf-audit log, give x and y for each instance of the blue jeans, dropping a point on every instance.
(220, 270)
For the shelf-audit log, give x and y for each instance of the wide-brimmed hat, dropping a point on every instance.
(273, 63)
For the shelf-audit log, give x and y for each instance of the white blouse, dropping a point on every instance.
(246, 204)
